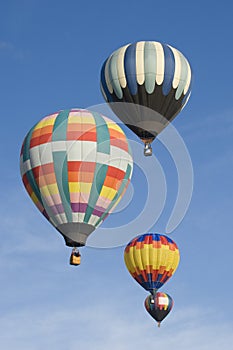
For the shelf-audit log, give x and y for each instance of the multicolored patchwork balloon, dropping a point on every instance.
(159, 306)
(151, 259)
(148, 74)
(76, 165)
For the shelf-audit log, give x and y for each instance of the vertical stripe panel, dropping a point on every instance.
(130, 68)
(114, 76)
(177, 73)
(188, 82)
(103, 146)
(99, 177)
(60, 126)
(169, 70)
(104, 84)
(60, 162)
(183, 77)
(150, 66)
(29, 174)
(61, 173)
(120, 66)
(107, 77)
(160, 62)
(26, 145)
(117, 196)
(140, 62)
(103, 137)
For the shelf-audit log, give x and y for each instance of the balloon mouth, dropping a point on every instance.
(75, 233)
(70, 243)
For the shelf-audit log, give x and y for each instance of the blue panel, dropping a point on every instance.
(130, 68)
(103, 82)
(169, 239)
(151, 285)
(156, 237)
(141, 238)
(169, 69)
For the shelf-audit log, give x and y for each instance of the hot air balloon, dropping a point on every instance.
(76, 165)
(151, 259)
(151, 83)
(159, 306)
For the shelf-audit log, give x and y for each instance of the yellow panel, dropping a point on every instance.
(45, 122)
(137, 257)
(34, 198)
(114, 126)
(108, 192)
(79, 187)
(49, 190)
(81, 119)
(129, 261)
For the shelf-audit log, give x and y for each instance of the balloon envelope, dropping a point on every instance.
(151, 259)
(149, 74)
(159, 305)
(76, 165)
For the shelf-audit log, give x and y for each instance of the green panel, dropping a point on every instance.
(103, 137)
(61, 172)
(114, 75)
(26, 145)
(99, 178)
(117, 195)
(60, 126)
(149, 66)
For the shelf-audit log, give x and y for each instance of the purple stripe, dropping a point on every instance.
(82, 207)
(57, 209)
(79, 207)
(98, 212)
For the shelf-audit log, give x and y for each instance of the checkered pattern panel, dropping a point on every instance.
(76, 165)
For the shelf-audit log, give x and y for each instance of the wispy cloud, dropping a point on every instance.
(107, 327)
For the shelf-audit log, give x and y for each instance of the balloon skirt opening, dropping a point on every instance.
(75, 233)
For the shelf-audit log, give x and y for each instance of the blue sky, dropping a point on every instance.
(50, 58)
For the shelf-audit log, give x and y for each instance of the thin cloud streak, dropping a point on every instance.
(109, 326)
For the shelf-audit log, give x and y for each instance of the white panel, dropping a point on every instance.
(120, 66)
(163, 301)
(61, 219)
(93, 219)
(58, 146)
(160, 62)
(81, 151)
(78, 217)
(24, 167)
(103, 158)
(188, 78)
(46, 155)
(140, 72)
(35, 156)
(177, 72)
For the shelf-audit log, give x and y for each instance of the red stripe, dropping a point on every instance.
(120, 143)
(116, 173)
(81, 136)
(81, 166)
